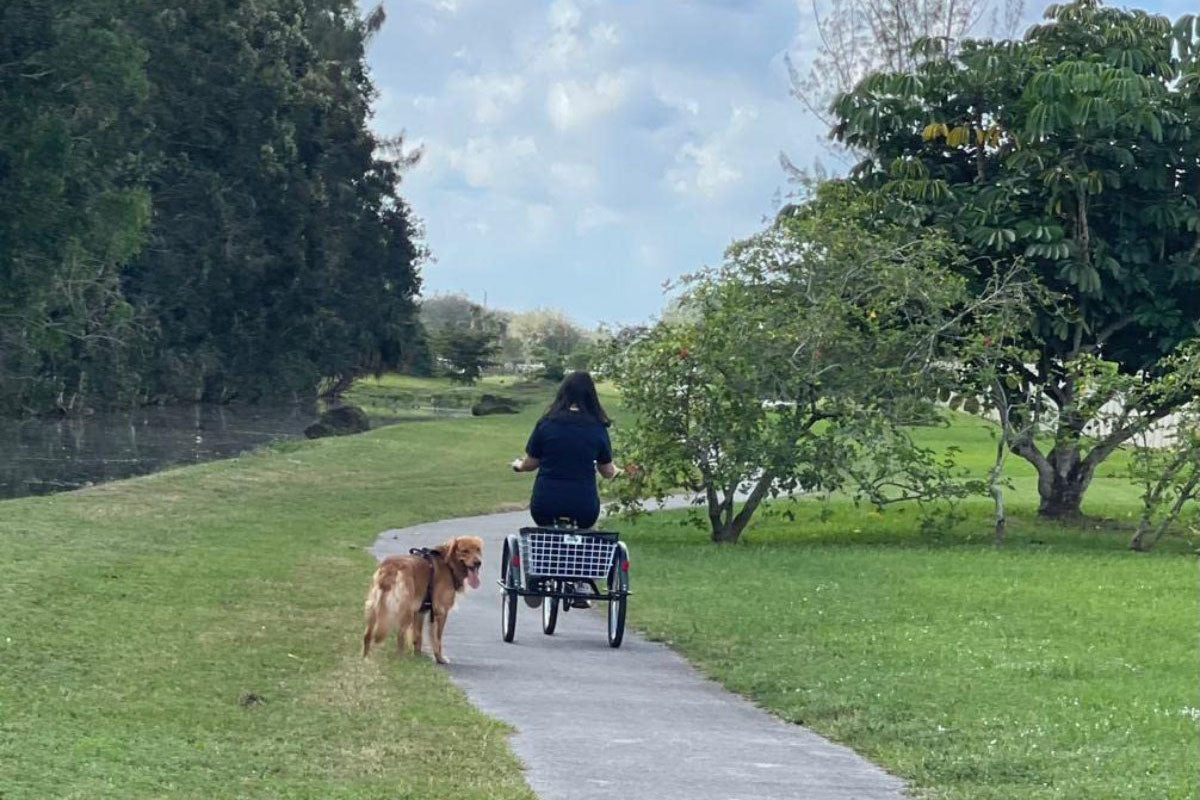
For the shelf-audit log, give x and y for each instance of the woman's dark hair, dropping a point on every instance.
(578, 389)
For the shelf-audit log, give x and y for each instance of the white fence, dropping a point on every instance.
(1158, 435)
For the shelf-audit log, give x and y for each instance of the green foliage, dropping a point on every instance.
(1075, 151)
(467, 352)
(796, 365)
(1165, 463)
(72, 211)
(463, 335)
(198, 207)
(551, 337)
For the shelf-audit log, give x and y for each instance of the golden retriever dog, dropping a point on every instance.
(402, 584)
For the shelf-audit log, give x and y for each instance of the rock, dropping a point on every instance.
(317, 431)
(339, 421)
(495, 404)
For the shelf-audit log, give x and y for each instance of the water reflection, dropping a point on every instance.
(40, 456)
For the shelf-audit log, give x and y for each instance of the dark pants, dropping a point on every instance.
(576, 500)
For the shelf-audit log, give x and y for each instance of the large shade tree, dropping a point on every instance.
(1077, 150)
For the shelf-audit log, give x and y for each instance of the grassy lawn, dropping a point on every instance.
(1059, 666)
(143, 620)
(195, 633)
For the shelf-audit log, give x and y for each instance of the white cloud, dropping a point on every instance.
(604, 34)
(485, 162)
(564, 15)
(688, 105)
(572, 178)
(579, 152)
(709, 167)
(573, 103)
(742, 117)
(596, 216)
(491, 96)
(702, 169)
(566, 42)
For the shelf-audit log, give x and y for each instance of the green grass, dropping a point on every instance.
(1058, 666)
(138, 618)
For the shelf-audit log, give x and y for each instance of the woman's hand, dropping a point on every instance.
(526, 464)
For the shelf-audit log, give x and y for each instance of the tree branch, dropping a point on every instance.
(1114, 439)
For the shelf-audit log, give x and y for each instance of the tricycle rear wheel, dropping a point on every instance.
(618, 584)
(508, 602)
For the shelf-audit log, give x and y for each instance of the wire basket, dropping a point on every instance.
(551, 553)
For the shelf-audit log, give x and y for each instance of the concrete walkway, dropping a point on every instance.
(637, 723)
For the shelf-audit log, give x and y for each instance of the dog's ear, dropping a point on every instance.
(447, 549)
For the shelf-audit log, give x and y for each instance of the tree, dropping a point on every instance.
(984, 381)
(72, 209)
(549, 336)
(858, 37)
(1169, 474)
(1075, 150)
(194, 206)
(1165, 462)
(281, 254)
(792, 370)
(464, 334)
(442, 311)
(467, 351)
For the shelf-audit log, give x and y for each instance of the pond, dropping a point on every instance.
(40, 456)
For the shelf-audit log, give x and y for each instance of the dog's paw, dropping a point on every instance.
(441, 659)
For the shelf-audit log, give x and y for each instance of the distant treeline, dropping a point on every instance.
(192, 206)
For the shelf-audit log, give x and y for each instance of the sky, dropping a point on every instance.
(577, 154)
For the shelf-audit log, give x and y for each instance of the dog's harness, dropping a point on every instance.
(427, 554)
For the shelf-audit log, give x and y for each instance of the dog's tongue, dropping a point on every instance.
(473, 578)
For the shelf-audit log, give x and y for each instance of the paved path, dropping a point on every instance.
(636, 723)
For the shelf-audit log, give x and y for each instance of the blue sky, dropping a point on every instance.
(578, 153)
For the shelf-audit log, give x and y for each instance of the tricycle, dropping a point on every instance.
(557, 568)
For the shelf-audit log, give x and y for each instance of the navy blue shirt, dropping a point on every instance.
(569, 444)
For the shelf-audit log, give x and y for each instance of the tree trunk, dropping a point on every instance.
(338, 386)
(725, 533)
(1138, 542)
(996, 474)
(727, 528)
(1063, 497)
(1063, 478)
(996, 489)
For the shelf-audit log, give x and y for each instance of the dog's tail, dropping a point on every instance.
(375, 608)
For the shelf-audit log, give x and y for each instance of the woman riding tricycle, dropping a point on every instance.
(561, 559)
